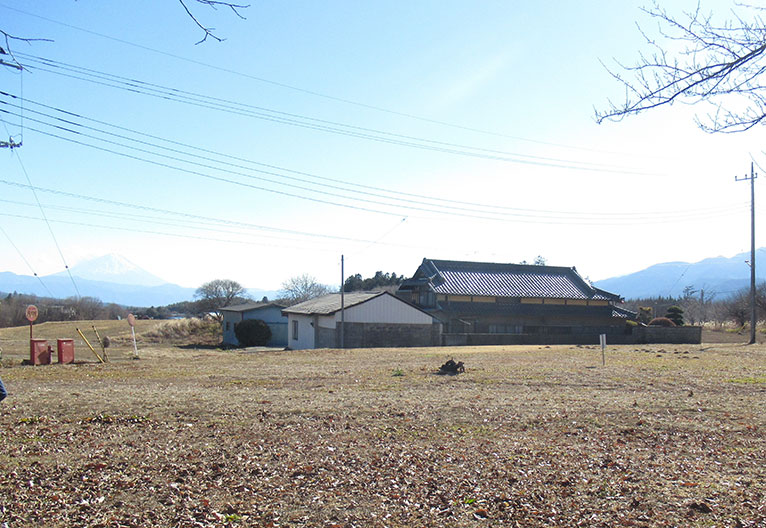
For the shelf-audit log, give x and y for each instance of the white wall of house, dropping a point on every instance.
(229, 320)
(300, 331)
(384, 309)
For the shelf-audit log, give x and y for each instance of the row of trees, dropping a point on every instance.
(217, 294)
(13, 307)
(378, 281)
(702, 308)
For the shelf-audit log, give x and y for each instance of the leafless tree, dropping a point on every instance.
(302, 288)
(697, 59)
(218, 294)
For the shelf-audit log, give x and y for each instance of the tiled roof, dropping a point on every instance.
(507, 280)
(622, 313)
(329, 304)
(246, 307)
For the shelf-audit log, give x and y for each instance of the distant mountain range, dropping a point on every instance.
(719, 276)
(112, 279)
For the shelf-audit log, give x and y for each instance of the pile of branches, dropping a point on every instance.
(451, 367)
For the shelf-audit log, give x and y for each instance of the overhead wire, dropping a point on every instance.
(430, 201)
(186, 214)
(539, 219)
(47, 223)
(302, 121)
(24, 258)
(217, 224)
(165, 233)
(298, 89)
(514, 213)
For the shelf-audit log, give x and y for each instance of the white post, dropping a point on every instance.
(135, 348)
(602, 339)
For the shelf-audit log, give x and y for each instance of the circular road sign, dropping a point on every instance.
(131, 320)
(32, 313)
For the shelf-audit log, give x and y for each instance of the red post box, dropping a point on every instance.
(65, 350)
(39, 353)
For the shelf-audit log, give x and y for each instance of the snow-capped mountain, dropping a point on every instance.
(110, 278)
(115, 269)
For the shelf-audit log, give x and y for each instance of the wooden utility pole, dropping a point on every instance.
(753, 316)
(342, 305)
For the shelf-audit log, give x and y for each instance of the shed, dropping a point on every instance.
(268, 312)
(372, 319)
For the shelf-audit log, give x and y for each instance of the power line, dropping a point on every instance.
(50, 229)
(206, 221)
(540, 219)
(517, 214)
(323, 125)
(24, 258)
(430, 202)
(299, 89)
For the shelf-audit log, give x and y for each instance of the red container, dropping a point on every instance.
(39, 353)
(65, 350)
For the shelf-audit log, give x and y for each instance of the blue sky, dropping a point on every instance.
(467, 133)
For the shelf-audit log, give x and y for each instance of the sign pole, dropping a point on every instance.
(132, 323)
(31, 315)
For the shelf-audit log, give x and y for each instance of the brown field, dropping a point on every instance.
(529, 436)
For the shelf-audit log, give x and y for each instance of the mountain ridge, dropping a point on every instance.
(111, 279)
(719, 276)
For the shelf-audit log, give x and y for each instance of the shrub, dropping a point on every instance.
(252, 332)
(662, 321)
(676, 314)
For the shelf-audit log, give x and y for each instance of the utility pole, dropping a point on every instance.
(342, 305)
(753, 317)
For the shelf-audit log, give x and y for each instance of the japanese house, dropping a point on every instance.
(493, 303)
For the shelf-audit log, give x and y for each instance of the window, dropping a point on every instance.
(295, 329)
(228, 325)
(427, 298)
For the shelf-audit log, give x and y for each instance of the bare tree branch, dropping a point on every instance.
(208, 31)
(695, 62)
(214, 4)
(7, 51)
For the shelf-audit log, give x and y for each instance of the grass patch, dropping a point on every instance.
(748, 380)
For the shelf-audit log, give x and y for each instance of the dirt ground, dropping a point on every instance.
(528, 436)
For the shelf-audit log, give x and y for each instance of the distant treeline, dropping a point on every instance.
(379, 281)
(13, 307)
(701, 307)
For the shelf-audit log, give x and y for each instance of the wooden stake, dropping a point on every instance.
(100, 342)
(89, 345)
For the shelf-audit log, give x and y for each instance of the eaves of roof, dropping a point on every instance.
(249, 306)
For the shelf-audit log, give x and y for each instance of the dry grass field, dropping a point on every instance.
(190, 436)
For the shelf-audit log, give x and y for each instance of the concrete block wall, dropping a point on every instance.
(366, 335)
(640, 335)
(691, 335)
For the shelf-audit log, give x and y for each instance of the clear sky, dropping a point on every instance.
(384, 131)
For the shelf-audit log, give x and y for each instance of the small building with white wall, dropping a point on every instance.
(372, 319)
(269, 312)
